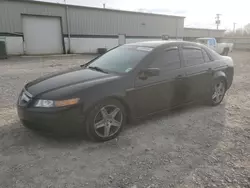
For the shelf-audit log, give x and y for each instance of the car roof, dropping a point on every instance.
(152, 44)
(156, 44)
(205, 38)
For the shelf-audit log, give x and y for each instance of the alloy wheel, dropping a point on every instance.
(108, 121)
(219, 92)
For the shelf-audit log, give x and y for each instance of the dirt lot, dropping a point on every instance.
(197, 146)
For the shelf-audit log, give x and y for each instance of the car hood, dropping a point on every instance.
(63, 79)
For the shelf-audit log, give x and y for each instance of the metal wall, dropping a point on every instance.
(10, 14)
(196, 33)
(91, 21)
(240, 43)
(101, 22)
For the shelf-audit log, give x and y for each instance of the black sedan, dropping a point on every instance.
(127, 82)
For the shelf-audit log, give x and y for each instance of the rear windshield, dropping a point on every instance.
(121, 59)
(202, 41)
(213, 54)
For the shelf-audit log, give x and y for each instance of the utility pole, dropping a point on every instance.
(234, 27)
(68, 26)
(217, 21)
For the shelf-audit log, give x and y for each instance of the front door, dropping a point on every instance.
(198, 72)
(160, 92)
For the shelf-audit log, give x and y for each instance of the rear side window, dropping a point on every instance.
(169, 60)
(205, 55)
(193, 56)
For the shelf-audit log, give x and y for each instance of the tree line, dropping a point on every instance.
(245, 31)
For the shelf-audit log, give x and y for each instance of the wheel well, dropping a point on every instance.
(222, 78)
(126, 107)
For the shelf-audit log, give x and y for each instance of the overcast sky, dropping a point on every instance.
(198, 13)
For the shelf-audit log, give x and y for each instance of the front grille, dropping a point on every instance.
(25, 98)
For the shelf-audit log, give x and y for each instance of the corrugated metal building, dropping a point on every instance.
(191, 34)
(42, 28)
(240, 43)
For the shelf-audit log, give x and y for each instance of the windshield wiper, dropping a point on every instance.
(98, 69)
(83, 65)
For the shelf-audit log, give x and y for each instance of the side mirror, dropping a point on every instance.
(149, 72)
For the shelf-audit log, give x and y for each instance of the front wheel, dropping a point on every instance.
(218, 92)
(105, 121)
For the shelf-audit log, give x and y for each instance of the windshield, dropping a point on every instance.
(201, 41)
(122, 59)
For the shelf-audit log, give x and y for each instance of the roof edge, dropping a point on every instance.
(96, 8)
(204, 29)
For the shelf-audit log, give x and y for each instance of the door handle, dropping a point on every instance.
(179, 77)
(210, 70)
(143, 77)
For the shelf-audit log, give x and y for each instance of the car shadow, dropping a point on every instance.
(162, 149)
(166, 113)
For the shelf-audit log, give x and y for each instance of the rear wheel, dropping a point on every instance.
(225, 51)
(105, 120)
(218, 92)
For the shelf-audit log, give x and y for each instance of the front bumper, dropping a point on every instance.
(69, 120)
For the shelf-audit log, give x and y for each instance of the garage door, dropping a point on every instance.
(42, 35)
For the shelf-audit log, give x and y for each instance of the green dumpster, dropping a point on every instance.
(3, 53)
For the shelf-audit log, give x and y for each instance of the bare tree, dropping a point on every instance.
(247, 29)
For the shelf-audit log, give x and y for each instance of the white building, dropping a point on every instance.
(192, 33)
(32, 27)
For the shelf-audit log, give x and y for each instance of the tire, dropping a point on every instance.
(103, 122)
(225, 51)
(218, 91)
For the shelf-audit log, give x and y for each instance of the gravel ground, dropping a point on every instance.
(196, 146)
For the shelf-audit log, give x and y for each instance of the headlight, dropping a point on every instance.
(45, 103)
(50, 103)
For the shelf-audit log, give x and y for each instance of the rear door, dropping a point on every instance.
(160, 92)
(198, 72)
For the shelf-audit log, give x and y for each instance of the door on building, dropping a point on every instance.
(121, 39)
(42, 35)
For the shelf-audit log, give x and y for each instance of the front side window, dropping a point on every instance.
(121, 59)
(169, 60)
(192, 56)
